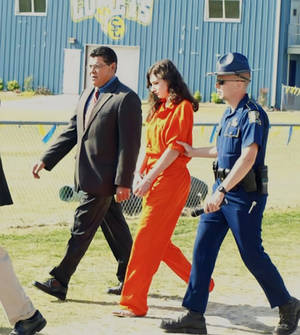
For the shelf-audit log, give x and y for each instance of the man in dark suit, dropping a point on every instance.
(18, 307)
(106, 127)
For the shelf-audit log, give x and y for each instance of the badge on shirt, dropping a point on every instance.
(254, 117)
(234, 122)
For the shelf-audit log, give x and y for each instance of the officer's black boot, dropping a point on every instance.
(289, 315)
(188, 323)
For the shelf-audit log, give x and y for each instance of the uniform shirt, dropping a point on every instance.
(240, 128)
(168, 125)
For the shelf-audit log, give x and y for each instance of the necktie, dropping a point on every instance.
(91, 106)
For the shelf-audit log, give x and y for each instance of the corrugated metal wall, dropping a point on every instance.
(283, 45)
(34, 45)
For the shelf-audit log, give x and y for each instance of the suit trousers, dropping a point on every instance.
(92, 212)
(243, 216)
(16, 303)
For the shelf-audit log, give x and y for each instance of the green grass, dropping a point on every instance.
(35, 250)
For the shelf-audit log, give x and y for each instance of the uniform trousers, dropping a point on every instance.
(92, 212)
(162, 206)
(16, 303)
(243, 216)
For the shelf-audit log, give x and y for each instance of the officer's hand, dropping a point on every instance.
(122, 193)
(188, 148)
(214, 202)
(37, 168)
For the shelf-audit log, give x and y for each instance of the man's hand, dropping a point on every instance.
(122, 193)
(214, 202)
(37, 168)
(189, 150)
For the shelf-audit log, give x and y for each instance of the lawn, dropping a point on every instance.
(35, 249)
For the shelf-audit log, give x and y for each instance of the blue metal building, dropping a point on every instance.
(50, 40)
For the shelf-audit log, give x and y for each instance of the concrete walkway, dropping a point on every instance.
(39, 108)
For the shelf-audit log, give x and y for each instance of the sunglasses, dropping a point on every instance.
(223, 81)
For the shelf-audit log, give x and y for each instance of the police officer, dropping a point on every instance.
(241, 179)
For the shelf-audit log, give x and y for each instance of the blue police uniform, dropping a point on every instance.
(243, 213)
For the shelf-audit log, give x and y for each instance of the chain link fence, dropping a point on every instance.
(52, 199)
(133, 206)
(36, 201)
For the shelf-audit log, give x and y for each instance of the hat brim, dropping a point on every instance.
(227, 73)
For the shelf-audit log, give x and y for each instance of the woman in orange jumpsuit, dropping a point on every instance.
(163, 181)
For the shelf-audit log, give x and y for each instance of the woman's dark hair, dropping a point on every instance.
(178, 90)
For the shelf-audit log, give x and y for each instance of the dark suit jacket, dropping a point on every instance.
(5, 198)
(107, 149)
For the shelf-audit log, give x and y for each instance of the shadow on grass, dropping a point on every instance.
(89, 302)
(238, 318)
(4, 331)
(237, 315)
(242, 315)
(162, 296)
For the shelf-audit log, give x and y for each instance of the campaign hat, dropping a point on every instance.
(231, 63)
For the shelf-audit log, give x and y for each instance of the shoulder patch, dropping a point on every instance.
(253, 117)
(234, 122)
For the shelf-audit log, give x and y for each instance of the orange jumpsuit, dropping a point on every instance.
(162, 206)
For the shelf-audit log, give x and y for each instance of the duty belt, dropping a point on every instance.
(221, 173)
(254, 181)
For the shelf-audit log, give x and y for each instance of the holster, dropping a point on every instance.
(262, 179)
(215, 168)
(249, 182)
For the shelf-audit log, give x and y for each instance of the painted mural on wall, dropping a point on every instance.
(112, 14)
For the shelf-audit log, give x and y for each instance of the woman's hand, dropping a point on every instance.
(142, 187)
(136, 180)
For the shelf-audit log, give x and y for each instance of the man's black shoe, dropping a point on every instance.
(53, 287)
(29, 326)
(116, 289)
(289, 315)
(188, 323)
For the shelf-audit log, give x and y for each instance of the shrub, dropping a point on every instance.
(28, 84)
(215, 98)
(28, 94)
(43, 91)
(1, 84)
(12, 85)
(198, 96)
